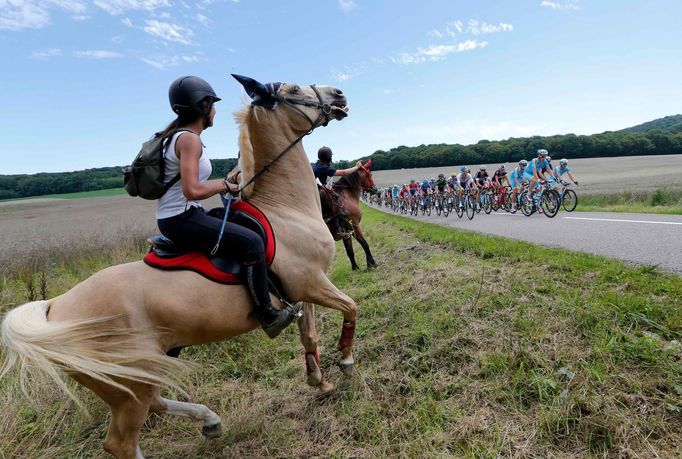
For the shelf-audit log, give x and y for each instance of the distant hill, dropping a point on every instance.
(672, 123)
(659, 137)
(24, 185)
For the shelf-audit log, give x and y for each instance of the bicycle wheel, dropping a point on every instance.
(550, 203)
(487, 202)
(470, 207)
(459, 207)
(428, 207)
(527, 205)
(446, 207)
(569, 200)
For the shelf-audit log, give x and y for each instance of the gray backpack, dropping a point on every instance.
(145, 176)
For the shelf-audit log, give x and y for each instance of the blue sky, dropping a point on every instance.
(85, 82)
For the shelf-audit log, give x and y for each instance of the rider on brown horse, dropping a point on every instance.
(331, 205)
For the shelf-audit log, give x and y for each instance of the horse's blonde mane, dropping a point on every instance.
(246, 160)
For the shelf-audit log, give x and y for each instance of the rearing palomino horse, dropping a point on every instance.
(112, 331)
(349, 187)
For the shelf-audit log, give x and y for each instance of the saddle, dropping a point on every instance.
(164, 254)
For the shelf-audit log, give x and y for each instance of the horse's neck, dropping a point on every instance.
(289, 182)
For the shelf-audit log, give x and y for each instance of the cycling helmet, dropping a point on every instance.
(395, 186)
(542, 152)
(502, 168)
(523, 162)
(463, 169)
(548, 158)
(563, 162)
(453, 175)
(324, 154)
(483, 168)
(413, 180)
(441, 176)
(468, 171)
(188, 92)
(425, 182)
(433, 179)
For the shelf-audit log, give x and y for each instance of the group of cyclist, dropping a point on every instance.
(528, 174)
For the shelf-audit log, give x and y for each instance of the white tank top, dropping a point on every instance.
(174, 201)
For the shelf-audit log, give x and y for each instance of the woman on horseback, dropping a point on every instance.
(179, 213)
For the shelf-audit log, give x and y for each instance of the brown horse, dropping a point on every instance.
(112, 331)
(349, 188)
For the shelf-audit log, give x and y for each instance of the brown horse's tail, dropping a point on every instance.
(89, 347)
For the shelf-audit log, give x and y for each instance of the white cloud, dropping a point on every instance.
(206, 22)
(348, 72)
(127, 22)
(169, 32)
(97, 54)
(117, 39)
(164, 62)
(340, 76)
(347, 5)
(472, 27)
(116, 7)
(46, 53)
(561, 5)
(437, 52)
(23, 14)
(72, 6)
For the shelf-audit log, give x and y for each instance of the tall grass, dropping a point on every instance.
(467, 346)
(661, 200)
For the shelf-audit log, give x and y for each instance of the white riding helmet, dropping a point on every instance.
(523, 162)
(563, 162)
(542, 152)
(502, 168)
(484, 168)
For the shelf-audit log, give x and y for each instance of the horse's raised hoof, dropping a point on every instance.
(355, 267)
(347, 365)
(212, 430)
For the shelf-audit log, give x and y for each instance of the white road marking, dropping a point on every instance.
(622, 220)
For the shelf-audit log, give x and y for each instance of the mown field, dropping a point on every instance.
(467, 346)
(596, 175)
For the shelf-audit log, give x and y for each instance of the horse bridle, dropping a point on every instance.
(325, 112)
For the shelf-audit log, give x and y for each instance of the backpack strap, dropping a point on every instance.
(175, 179)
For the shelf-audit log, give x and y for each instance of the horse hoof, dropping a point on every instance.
(314, 378)
(212, 430)
(355, 268)
(346, 365)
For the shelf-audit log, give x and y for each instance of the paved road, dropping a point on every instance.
(649, 239)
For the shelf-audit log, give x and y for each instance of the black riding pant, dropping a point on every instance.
(194, 230)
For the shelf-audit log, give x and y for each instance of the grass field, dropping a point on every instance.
(82, 194)
(467, 346)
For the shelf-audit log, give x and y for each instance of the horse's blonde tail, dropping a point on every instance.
(94, 348)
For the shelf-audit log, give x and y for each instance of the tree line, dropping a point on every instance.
(664, 139)
(20, 186)
(571, 146)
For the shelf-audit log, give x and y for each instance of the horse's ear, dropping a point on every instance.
(253, 88)
(368, 165)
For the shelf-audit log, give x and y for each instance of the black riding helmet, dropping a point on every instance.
(188, 92)
(324, 154)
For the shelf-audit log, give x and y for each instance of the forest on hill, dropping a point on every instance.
(664, 139)
(658, 137)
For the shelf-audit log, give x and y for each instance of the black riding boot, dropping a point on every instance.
(272, 320)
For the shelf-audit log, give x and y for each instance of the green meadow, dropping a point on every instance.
(467, 346)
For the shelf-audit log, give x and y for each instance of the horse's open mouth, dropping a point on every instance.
(339, 109)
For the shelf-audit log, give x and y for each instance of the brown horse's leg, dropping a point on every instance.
(212, 425)
(348, 244)
(365, 246)
(326, 294)
(308, 333)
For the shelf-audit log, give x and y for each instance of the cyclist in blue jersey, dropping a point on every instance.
(562, 169)
(533, 171)
(516, 180)
(425, 187)
(465, 181)
(395, 191)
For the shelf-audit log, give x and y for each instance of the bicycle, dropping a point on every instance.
(568, 198)
(546, 198)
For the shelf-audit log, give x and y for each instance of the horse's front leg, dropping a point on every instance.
(348, 244)
(308, 332)
(365, 246)
(324, 293)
